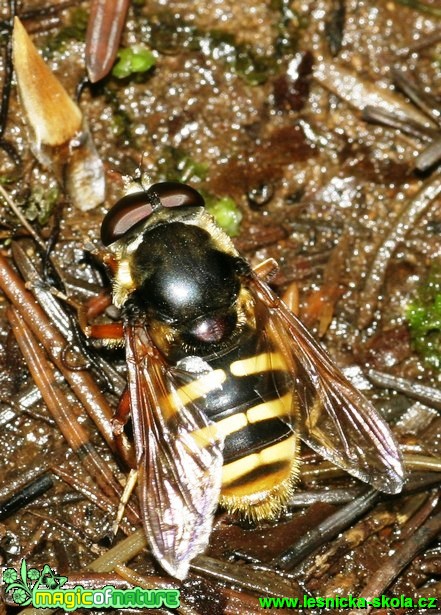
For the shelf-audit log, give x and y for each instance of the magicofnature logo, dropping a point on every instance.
(44, 589)
(23, 583)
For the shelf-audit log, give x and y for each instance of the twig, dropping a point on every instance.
(61, 409)
(16, 210)
(325, 531)
(383, 577)
(415, 390)
(82, 382)
(405, 221)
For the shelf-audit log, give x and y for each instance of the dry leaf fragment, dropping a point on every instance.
(59, 136)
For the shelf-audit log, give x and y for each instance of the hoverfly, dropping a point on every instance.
(223, 379)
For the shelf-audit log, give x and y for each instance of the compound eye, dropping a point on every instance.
(175, 194)
(123, 216)
(138, 206)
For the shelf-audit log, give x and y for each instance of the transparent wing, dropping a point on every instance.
(179, 456)
(332, 417)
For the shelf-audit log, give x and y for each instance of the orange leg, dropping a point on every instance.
(266, 269)
(97, 305)
(122, 413)
(112, 331)
(120, 419)
(107, 331)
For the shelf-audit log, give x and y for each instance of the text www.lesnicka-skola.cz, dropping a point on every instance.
(348, 602)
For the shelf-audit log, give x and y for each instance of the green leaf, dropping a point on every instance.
(131, 60)
(226, 213)
(24, 571)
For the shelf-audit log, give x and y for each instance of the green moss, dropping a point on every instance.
(170, 34)
(421, 7)
(177, 165)
(121, 122)
(241, 58)
(424, 318)
(287, 28)
(75, 30)
(41, 203)
(79, 19)
(133, 60)
(226, 213)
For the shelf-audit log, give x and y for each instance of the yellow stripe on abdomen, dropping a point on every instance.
(276, 408)
(279, 407)
(259, 363)
(239, 477)
(201, 386)
(259, 484)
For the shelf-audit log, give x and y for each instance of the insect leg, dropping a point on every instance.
(121, 417)
(111, 331)
(97, 305)
(266, 269)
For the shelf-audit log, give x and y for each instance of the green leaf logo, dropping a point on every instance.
(19, 583)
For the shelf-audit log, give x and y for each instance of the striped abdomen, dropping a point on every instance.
(253, 410)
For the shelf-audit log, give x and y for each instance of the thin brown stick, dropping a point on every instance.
(81, 382)
(405, 221)
(412, 388)
(59, 406)
(420, 516)
(383, 577)
(92, 495)
(23, 221)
